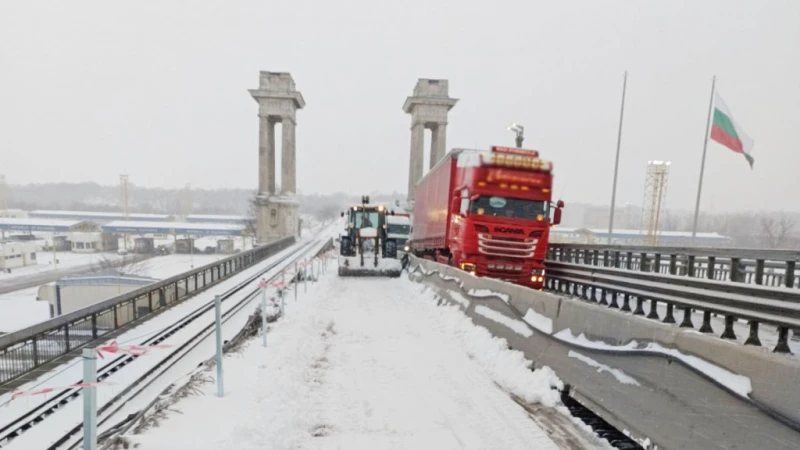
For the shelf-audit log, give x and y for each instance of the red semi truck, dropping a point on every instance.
(487, 213)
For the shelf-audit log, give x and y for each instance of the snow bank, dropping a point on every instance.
(621, 376)
(515, 325)
(484, 293)
(739, 384)
(508, 368)
(538, 321)
(458, 298)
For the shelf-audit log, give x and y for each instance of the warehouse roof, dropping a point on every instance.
(93, 215)
(214, 218)
(186, 228)
(30, 225)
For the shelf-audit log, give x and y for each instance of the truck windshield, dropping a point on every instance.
(400, 229)
(366, 220)
(509, 207)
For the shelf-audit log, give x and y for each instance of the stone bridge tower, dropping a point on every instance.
(278, 101)
(428, 108)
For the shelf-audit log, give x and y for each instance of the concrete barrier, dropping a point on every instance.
(707, 367)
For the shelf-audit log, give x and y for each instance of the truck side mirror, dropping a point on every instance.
(342, 213)
(560, 204)
(557, 215)
(454, 206)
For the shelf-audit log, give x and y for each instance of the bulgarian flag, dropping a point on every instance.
(727, 132)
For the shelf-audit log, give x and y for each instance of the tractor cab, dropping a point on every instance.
(365, 243)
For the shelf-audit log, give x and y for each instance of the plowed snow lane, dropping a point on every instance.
(356, 364)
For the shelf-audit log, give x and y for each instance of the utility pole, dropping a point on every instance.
(123, 183)
(616, 160)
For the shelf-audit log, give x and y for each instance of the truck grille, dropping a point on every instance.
(506, 247)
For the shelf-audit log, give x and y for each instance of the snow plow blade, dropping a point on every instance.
(387, 267)
(365, 272)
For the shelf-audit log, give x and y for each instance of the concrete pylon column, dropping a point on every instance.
(428, 108)
(288, 157)
(266, 156)
(417, 157)
(438, 143)
(278, 101)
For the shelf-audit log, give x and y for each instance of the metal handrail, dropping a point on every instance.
(31, 347)
(739, 253)
(757, 304)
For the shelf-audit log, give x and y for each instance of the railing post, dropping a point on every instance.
(150, 300)
(657, 263)
(595, 254)
(35, 344)
(606, 262)
(759, 272)
(734, 276)
(690, 266)
(710, 267)
(66, 337)
(94, 326)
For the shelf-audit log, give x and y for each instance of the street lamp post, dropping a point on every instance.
(518, 131)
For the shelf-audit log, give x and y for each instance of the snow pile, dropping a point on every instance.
(458, 298)
(508, 368)
(484, 293)
(621, 376)
(538, 321)
(739, 384)
(515, 325)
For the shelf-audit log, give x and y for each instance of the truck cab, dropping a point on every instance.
(399, 229)
(488, 213)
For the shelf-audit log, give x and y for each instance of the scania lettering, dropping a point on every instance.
(488, 213)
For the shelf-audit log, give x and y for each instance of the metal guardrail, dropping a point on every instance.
(24, 350)
(752, 266)
(756, 304)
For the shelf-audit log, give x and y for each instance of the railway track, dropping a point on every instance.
(40, 413)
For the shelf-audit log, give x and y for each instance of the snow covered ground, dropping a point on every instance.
(70, 414)
(20, 309)
(65, 260)
(368, 364)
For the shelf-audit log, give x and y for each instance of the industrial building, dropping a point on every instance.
(636, 237)
(73, 293)
(76, 235)
(14, 254)
(96, 217)
(211, 218)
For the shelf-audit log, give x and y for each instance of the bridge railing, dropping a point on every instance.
(753, 266)
(712, 281)
(25, 350)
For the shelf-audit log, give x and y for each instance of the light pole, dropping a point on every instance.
(518, 130)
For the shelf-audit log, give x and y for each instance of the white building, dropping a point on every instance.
(86, 237)
(15, 254)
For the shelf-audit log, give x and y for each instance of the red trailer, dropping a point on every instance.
(487, 213)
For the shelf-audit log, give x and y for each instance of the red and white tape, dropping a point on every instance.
(135, 350)
(49, 390)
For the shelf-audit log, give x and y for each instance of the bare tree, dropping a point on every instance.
(775, 230)
(251, 224)
(130, 265)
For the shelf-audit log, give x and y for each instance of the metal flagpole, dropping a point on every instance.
(616, 162)
(703, 162)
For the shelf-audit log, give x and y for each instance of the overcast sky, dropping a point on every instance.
(89, 90)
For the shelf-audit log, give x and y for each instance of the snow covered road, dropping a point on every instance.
(367, 364)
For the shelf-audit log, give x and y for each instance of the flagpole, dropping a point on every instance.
(616, 162)
(703, 162)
